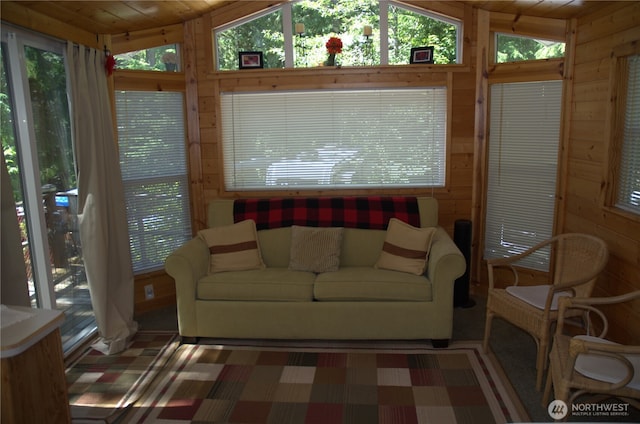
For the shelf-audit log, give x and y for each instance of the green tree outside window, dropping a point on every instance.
(163, 58)
(511, 48)
(344, 19)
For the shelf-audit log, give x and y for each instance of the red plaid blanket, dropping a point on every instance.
(371, 212)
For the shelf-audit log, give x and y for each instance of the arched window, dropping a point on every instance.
(371, 32)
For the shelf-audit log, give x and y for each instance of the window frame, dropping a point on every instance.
(166, 47)
(615, 121)
(287, 33)
(384, 42)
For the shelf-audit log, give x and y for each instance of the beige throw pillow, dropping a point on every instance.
(405, 248)
(315, 249)
(233, 247)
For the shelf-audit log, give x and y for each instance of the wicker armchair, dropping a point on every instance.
(587, 364)
(576, 261)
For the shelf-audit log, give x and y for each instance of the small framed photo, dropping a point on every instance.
(421, 55)
(250, 60)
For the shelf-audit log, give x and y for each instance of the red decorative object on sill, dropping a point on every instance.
(334, 46)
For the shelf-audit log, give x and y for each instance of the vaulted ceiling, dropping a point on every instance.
(117, 17)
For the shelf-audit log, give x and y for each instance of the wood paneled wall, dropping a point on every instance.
(17, 14)
(584, 166)
(489, 72)
(454, 199)
(586, 139)
(202, 85)
(585, 142)
(589, 146)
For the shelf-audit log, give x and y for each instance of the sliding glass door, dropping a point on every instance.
(38, 151)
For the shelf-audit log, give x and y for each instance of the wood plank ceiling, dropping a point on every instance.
(118, 17)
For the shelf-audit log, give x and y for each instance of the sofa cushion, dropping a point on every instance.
(275, 246)
(315, 249)
(361, 247)
(269, 284)
(233, 247)
(405, 248)
(370, 284)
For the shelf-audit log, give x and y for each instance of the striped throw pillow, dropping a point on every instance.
(406, 248)
(315, 249)
(233, 247)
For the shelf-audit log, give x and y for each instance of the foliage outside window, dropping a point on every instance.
(263, 33)
(163, 58)
(410, 28)
(346, 19)
(511, 48)
(628, 193)
(47, 82)
(323, 139)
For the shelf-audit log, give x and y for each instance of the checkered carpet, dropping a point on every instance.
(101, 386)
(235, 384)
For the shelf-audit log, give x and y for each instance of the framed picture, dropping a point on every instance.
(421, 55)
(250, 60)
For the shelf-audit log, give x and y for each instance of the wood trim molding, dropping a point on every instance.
(480, 146)
(148, 38)
(19, 15)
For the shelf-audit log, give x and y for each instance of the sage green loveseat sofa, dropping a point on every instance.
(358, 301)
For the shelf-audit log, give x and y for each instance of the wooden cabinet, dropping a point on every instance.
(34, 387)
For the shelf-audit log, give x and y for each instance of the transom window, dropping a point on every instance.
(516, 48)
(163, 58)
(334, 139)
(372, 32)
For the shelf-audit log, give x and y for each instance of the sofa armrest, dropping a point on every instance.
(187, 265)
(446, 264)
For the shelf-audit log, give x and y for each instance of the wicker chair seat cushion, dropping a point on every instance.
(536, 296)
(605, 368)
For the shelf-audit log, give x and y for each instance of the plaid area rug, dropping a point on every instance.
(102, 386)
(236, 384)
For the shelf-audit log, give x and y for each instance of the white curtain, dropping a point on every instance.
(101, 212)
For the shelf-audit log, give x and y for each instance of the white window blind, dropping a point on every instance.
(629, 176)
(151, 137)
(522, 168)
(334, 139)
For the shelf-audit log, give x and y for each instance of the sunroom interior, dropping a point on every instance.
(566, 112)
